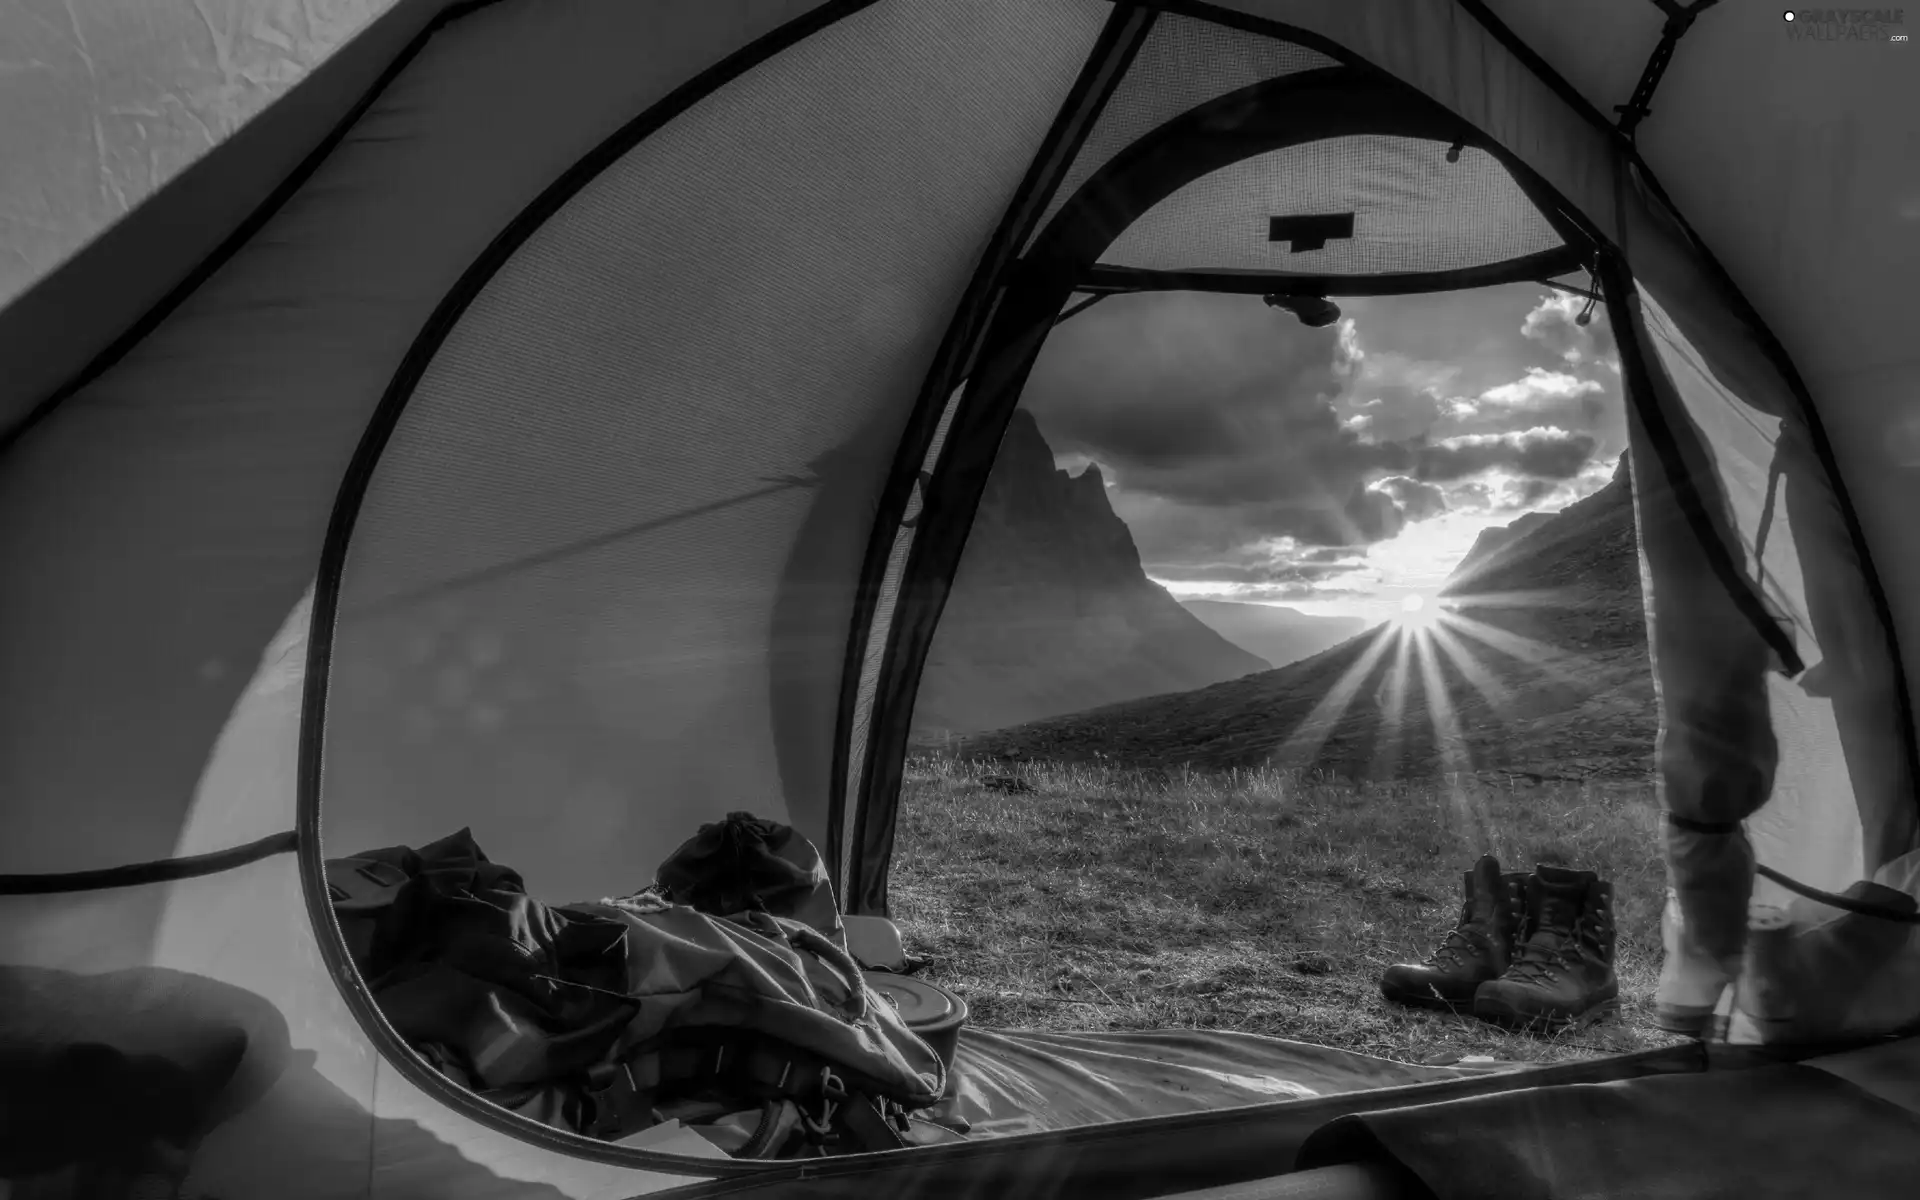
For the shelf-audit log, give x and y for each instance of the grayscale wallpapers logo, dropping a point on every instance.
(1846, 24)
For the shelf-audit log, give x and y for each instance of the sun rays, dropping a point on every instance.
(1445, 651)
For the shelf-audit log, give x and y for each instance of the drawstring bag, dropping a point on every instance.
(748, 864)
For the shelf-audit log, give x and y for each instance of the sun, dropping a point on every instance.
(1417, 612)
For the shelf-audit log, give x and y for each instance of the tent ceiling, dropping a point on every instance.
(1600, 47)
(1413, 209)
(1184, 63)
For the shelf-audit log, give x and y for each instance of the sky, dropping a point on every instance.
(1333, 470)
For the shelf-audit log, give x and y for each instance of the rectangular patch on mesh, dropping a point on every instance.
(1309, 232)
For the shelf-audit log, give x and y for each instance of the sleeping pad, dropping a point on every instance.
(603, 1018)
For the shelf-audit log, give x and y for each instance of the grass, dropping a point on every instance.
(1109, 898)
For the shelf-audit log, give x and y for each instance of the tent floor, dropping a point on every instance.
(1011, 1082)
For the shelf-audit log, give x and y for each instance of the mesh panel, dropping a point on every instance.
(600, 586)
(1413, 211)
(877, 633)
(1810, 828)
(1183, 64)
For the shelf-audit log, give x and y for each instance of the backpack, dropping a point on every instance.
(758, 1008)
(607, 1018)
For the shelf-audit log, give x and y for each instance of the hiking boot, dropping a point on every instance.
(1562, 970)
(1477, 949)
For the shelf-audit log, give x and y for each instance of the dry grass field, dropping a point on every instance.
(1119, 898)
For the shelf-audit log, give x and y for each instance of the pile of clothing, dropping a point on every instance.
(1531, 949)
(722, 997)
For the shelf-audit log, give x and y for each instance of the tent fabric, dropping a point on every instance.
(318, 1113)
(1165, 1155)
(612, 462)
(1656, 1137)
(107, 102)
(152, 601)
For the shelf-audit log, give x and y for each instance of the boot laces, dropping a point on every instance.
(1456, 943)
(1448, 953)
(1535, 958)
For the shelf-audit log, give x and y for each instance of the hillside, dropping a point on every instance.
(1051, 611)
(1538, 665)
(1497, 538)
(1275, 633)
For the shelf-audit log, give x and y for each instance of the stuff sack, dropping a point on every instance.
(748, 864)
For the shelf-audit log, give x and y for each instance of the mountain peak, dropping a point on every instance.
(1051, 611)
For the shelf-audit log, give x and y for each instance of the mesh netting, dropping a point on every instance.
(1413, 212)
(1183, 64)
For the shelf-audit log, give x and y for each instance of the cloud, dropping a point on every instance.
(1541, 452)
(1553, 324)
(1418, 501)
(1540, 387)
(1540, 396)
(1296, 591)
(1211, 404)
(1240, 447)
(1271, 572)
(1469, 495)
(1351, 555)
(1393, 412)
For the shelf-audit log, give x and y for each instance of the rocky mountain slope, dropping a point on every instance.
(1496, 538)
(1050, 610)
(1537, 664)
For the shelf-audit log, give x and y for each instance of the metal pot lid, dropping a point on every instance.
(920, 1003)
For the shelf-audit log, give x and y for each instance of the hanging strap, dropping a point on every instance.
(1679, 20)
(623, 1094)
(1865, 908)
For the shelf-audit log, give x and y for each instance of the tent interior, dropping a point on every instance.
(568, 422)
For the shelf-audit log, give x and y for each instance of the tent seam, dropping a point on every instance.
(164, 870)
(1107, 63)
(1679, 20)
(1561, 260)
